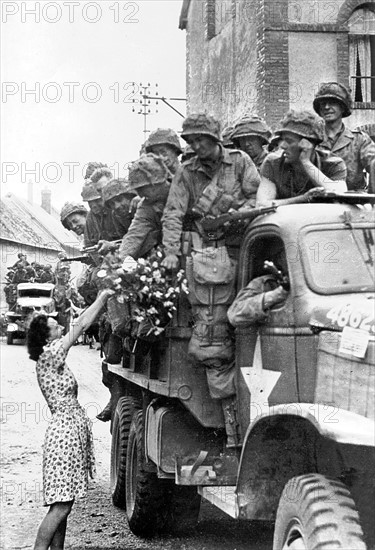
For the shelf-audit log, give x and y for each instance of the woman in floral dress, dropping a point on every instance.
(68, 457)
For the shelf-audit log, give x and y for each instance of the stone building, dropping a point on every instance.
(268, 56)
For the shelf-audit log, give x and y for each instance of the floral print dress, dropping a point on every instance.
(68, 452)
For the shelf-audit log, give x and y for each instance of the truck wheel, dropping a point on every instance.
(120, 434)
(145, 506)
(183, 509)
(9, 338)
(314, 513)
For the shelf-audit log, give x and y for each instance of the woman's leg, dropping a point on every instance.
(59, 537)
(57, 514)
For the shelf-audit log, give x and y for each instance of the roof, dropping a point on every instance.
(184, 14)
(28, 224)
(290, 219)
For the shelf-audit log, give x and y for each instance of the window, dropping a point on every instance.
(362, 55)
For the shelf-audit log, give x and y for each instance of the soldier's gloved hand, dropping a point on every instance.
(273, 297)
(170, 262)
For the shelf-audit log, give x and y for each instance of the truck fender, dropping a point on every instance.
(332, 422)
(293, 439)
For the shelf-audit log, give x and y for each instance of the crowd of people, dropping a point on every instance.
(163, 202)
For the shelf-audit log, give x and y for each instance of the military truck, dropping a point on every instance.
(30, 297)
(305, 394)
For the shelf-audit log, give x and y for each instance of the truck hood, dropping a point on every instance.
(355, 313)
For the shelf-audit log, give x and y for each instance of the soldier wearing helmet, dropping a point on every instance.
(164, 143)
(73, 217)
(250, 135)
(100, 224)
(118, 197)
(333, 102)
(211, 183)
(148, 177)
(92, 167)
(300, 171)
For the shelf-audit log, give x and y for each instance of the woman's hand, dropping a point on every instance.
(104, 294)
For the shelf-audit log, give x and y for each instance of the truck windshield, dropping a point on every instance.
(339, 260)
(34, 293)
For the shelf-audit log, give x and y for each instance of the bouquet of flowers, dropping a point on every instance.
(150, 292)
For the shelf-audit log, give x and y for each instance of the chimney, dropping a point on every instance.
(30, 186)
(46, 200)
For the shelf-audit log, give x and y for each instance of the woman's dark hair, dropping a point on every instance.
(37, 336)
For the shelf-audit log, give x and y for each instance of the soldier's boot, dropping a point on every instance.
(106, 414)
(229, 406)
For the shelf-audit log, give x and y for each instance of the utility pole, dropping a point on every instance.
(144, 102)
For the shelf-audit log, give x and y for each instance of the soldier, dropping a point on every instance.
(254, 302)
(100, 224)
(148, 177)
(164, 143)
(250, 135)
(299, 171)
(73, 217)
(118, 198)
(47, 275)
(22, 261)
(30, 273)
(210, 184)
(333, 102)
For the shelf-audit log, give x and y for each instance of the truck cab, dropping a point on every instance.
(305, 397)
(30, 297)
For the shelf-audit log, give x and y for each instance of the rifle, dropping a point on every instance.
(83, 259)
(95, 248)
(281, 279)
(214, 228)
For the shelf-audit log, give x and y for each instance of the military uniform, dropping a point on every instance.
(291, 184)
(357, 150)
(248, 307)
(101, 226)
(145, 231)
(237, 178)
(354, 146)
(258, 161)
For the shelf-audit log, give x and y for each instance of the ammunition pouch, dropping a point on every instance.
(211, 277)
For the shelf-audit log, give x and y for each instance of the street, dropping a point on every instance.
(94, 523)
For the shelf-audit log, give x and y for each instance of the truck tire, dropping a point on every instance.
(183, 509)
(145, 504)
(316, 512)
(120, 434)
(9, 338)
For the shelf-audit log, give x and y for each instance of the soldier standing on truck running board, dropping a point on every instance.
(299, 171)
(212, 183)
(333, 102)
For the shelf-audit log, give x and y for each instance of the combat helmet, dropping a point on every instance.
(149, 169)
(227, 137)
(251, 125)
(91, 167)
(71, 208)
(201, 124)
(303, 123)
(90, 192)
(163, 136)
(115, 188)
(336, 91)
